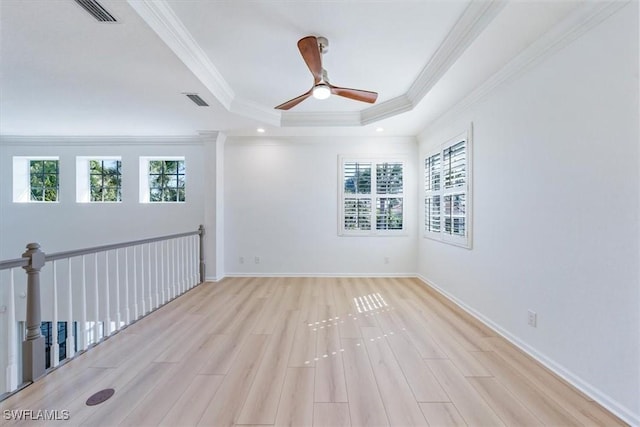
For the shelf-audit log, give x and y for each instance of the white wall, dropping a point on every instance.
(555, 221)
(68, 225)
(281, 204)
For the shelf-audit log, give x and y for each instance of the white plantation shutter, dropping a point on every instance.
(447, 192)
(372, 197)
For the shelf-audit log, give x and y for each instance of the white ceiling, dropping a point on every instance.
(63, 73)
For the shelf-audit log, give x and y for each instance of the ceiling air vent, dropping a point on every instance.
(96, 10)
(196, 99)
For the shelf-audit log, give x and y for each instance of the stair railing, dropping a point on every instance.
(86, 295)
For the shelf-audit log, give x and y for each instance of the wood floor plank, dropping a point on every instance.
(189, 407)
(471, 406)
(331, 415)
(398, 320)
(114, 410)
(399, 402)
(330, 384)
(574, 402)
(442, 414)
(539, 403)
(226, 404)
(508, 408)
(296, 402)
(365, 404)
(303, 350)
(423, 383)
(261, 404)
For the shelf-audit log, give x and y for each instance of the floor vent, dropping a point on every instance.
(96, 10)
(196, 99)
(99, 397)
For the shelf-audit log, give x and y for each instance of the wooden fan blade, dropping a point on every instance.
(357, 94)
(310, 52)
(293, 102)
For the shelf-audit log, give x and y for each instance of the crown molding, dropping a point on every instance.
(475, 18)
(255, 111)
(584, 18)
(161, 18)
(26, 140)
(389, 108)
(293, 119)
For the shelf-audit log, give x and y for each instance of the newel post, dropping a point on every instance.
(33, 354)
(202, 265)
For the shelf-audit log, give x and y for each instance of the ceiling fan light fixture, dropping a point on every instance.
(321, 91)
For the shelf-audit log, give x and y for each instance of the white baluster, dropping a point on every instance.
(98, 331)
(54, 350)
(163, 283)
(71, 340)
(107, 317)
(12, 336)
(183, 267)
(82, 328)
(127, 313)
(149, 277)
(174, 276)
(144, 309)
(135, 285)
(189, 258)
(157, 276)
(118, 315)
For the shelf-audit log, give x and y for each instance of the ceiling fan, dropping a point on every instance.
(311, 48)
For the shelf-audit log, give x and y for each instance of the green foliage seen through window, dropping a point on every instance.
(166, 181)
(44, 180)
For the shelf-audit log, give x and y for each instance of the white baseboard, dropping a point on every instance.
(320, 275)
(593, 392)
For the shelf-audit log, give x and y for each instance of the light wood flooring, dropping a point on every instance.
(302, 352)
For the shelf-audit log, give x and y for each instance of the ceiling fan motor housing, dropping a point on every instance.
(323, 44)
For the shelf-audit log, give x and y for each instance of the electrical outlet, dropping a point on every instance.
(257, 260)
(532, 318)
(386, 260)
(241, 259)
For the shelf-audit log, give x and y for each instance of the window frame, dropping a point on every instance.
(22, 179)
(145, 178)
(372, 196)
(443, 192)
(83, 178)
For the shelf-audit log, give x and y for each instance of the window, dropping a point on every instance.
(447, 202)
(43, 180)
(372, 197)
(163, 181)
(105, 180)
(36, 179)
(98, 179)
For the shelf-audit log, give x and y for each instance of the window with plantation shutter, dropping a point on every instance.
(447, 189)
(371, 196)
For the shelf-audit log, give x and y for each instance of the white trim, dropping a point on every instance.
(586, 16)
(143, 187)
(166, 24)
(83, 190)
(295, 119)
(21, 176)
(475, 18)
(35, 140)
(374, 160)
(161, 18)
(466, 241)
(597, 395)
(376, 275)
